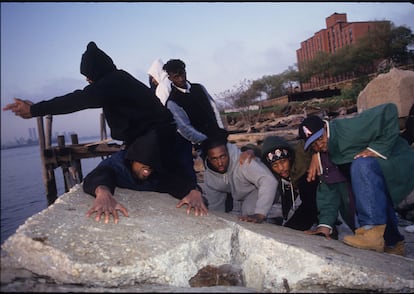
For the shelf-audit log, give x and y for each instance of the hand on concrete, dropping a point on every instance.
(322, 231)
(106, 204)
(194, 200)
(255, 218)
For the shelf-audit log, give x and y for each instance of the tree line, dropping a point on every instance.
(383, 47)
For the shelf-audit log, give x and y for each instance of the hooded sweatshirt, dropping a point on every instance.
(251, 183)
(116, 171)
(129, 106)
(298, 196)
(163, 89)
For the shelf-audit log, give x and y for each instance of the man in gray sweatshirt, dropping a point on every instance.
(252, 186)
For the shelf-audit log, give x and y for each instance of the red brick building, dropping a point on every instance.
(338, 34)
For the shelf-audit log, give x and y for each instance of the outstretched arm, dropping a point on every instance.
(20, 108)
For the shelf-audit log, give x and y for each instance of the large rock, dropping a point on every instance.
(396, 86)
(160, 248)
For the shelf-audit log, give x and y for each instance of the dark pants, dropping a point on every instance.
(184, 154)
(307, 213)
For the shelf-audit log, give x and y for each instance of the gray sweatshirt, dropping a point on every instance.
(250, 183)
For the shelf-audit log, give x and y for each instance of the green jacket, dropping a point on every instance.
(376, 128)
(333, 198)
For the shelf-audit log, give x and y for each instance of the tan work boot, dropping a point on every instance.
(371, 239)
(398, 249)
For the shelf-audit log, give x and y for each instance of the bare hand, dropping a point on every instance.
(366, 153)
(194, 201)
(106, 204)
(20, 108)
(314, 168)
(246, 155)
(255, 218)
(324, 231)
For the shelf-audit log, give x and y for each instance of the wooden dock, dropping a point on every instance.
(68, 157)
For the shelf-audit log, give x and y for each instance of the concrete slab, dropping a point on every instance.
(159, 247)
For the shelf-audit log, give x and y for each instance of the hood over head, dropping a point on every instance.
(95, 63)
(146, 150)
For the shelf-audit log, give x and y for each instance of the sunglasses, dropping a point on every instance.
(277, 154)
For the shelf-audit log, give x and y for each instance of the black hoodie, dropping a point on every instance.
(116, 171)
(130, 107)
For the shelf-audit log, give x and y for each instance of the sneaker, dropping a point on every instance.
(371, 239)
(397, 249)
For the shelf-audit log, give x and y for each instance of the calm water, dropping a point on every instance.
(22, 190)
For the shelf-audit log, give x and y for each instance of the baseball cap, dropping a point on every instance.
(311, 129)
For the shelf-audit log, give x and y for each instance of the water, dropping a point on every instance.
(23, 193)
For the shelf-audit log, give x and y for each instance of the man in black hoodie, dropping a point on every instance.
(129, 106)
(138, 168)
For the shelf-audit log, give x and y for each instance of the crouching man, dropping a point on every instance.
(139, 168)
(252, 186)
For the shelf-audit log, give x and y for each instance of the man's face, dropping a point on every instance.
(282, 167)
(321, 144)
(140, 171)
(218, 157)
(179, 79)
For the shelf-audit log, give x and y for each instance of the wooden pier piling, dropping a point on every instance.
(68, 157)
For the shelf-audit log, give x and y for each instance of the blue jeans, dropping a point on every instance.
(372, 200)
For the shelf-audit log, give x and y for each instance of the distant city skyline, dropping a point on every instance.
(33, 137)
(222, 44)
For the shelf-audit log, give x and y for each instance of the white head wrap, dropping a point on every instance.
(164, 84)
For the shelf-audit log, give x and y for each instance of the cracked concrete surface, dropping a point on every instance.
(159, 248)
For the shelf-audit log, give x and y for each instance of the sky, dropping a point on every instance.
(222, 44)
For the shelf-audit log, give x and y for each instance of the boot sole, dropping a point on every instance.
(380, 249)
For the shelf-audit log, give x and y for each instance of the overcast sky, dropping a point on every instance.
(221, 44)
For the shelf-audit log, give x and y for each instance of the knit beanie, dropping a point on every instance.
(95, 63)
(274, 148)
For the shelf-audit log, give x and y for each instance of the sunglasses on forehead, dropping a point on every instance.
(277, 154)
